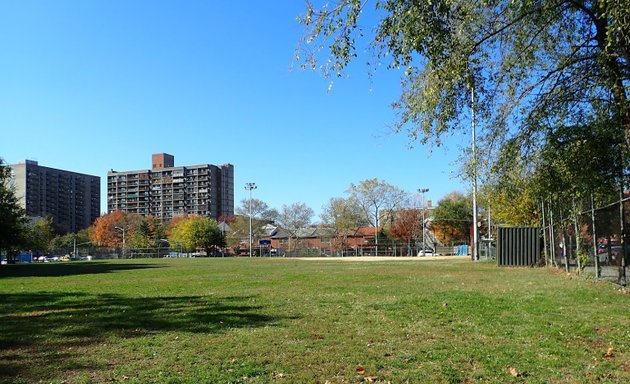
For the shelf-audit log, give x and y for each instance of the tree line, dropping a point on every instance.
(368, 203)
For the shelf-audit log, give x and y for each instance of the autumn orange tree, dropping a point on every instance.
(407, 226)
(104, 230)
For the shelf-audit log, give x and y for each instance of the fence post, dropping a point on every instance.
(552, 236)
(594, 237)
(622, 237)
(544, 231)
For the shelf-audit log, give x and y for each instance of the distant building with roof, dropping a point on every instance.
(71, 199)
(322, 240)
(166, 191)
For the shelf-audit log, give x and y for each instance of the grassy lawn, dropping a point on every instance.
(293, 321)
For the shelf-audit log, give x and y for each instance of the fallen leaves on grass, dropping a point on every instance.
(610, 353)
(360, 370)
(514, 372)
(279, 375)
(370, 379)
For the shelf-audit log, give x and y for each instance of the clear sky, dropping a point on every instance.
(89, 86)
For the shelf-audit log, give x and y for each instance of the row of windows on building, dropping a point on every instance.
(73, 199)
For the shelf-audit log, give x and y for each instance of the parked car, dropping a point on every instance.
(615, 256)
(426, 252)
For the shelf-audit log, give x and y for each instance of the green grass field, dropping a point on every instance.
(294, 321)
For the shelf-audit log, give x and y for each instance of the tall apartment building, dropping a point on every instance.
(166, 190)
(72, 200)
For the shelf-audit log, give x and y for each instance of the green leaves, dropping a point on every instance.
(197, 232)
(536, 65)
(452, 218)
(12, 216)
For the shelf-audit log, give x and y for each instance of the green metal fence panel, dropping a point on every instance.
(518, 246)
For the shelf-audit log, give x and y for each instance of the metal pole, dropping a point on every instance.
(423, 191)
(488, 255)
(552, 236)
(475, 255)
(250, 187)
(376, 233)
(622, 237)
(595, 255)
(544, 231)
(423, 218)
(122, 229)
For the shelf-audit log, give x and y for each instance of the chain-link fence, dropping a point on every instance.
(386, 247)
(588, 238)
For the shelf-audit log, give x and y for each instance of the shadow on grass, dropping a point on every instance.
(38, 330)
(67, 269)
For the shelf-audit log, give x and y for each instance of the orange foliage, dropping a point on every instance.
(104, 230)
(407, 225)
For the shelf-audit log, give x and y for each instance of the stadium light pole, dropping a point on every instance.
(250, 187)
(423, 191)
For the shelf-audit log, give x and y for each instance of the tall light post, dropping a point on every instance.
(475, 248)
(122, 229)
(250, 187)
(422, 192)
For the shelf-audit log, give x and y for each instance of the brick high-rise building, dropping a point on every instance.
(166, 191)
(72, 200)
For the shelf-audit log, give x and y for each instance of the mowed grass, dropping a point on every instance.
(238, 320)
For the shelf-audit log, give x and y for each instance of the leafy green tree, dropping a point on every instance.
(141, 236)
(65, 243)
(198, 232)
(510, 191)
(39, 234)
(452, 219)
(12, 216)
(239, 231)
(578, 161)
(534, 66)
(578, 164)
(146, 232)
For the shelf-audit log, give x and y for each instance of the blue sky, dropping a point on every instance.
(88, 86)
